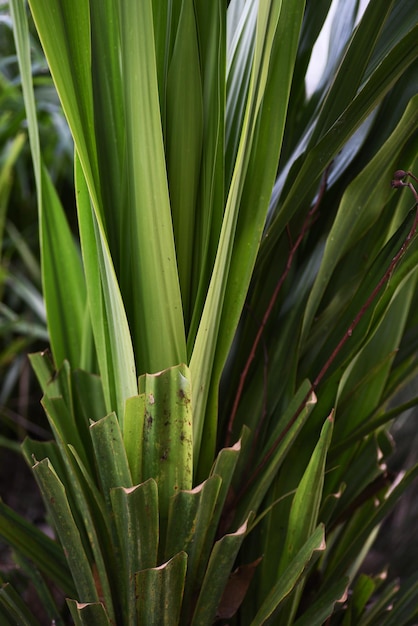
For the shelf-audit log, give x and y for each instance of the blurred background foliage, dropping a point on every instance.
(22, 311)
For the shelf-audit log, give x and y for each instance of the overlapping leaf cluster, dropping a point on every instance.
(228, 349)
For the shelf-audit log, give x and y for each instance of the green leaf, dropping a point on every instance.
(224, 466)
(56, 500)
(21, 35)
(316, 160)
(64, 427)
(360, 207)
(133, 431)
(110, 455)
(63, 280)
(362, 528)
(404, 609)
(362, 593)
(9, 158)
(88, 396)
(376, 613)
(211, 25)
(62, 276)
(303, 516)
(277, 448)
(201, 362)
(369, 371)
(240, 52)
(188, 529)
(29, 541)
(167, 432)
(322, 608)
(217, 573)
(290, 577)
(159, 339)
(87, 529)
(44, 368)
(183, 115)
(305, 506)
(108, 111)
(13, 608)
(184, 107)
(136, 518)
(64, 29)
(278, 26)
(365, 307)
(97, 525)
(354, 64)
(88, 614)
(108, 317)
(41, 587)
(159, 592)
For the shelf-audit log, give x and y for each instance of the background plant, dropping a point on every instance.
(22, 314)
(243, 254)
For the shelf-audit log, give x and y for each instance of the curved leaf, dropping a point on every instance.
(290, 577)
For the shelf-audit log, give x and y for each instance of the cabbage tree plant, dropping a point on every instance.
(231, 326)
